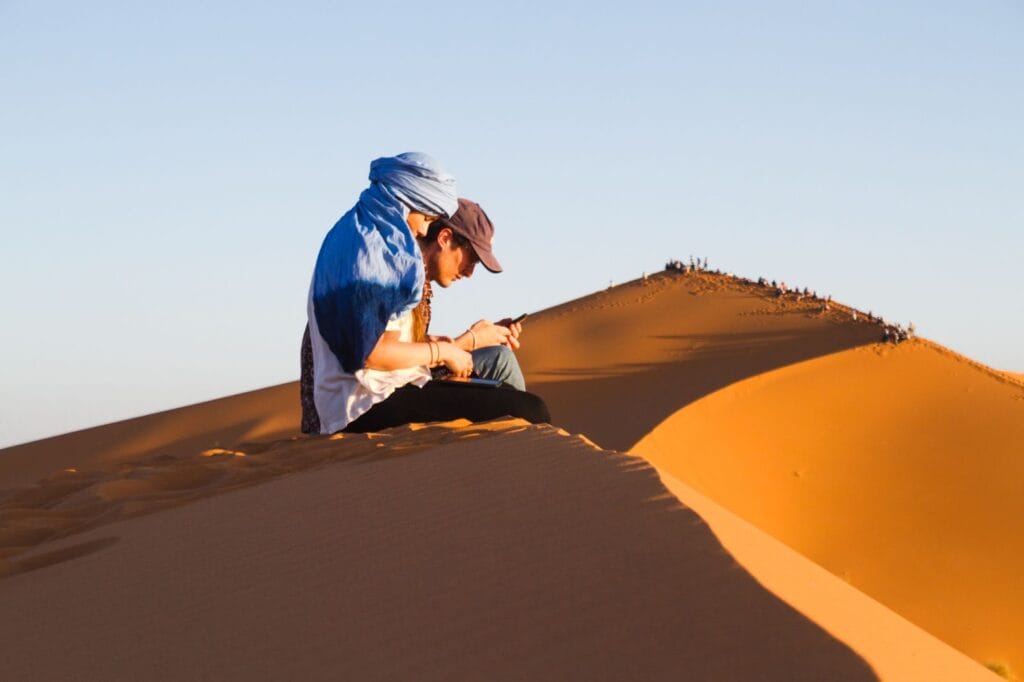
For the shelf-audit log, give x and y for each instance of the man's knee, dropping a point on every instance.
(501, 364)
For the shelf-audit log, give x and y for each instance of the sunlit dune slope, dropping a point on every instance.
(898, 468)
(614, 364)
(266, 413)
(494, 551)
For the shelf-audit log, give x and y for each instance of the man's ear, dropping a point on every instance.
(445, 237)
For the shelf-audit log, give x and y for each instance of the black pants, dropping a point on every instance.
(443, 401)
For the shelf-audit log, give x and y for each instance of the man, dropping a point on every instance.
(451, 248)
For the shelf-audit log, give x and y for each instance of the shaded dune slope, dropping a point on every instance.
(496, 551)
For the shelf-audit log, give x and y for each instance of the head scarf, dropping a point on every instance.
(370, 270)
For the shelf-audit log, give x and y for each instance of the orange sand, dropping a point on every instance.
(267, 413)
(615, 364)
(898, 469)
(498, 551)
(892, 646)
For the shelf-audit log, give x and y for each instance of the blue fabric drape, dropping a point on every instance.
(369, 268)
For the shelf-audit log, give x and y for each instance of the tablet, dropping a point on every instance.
(470, 381)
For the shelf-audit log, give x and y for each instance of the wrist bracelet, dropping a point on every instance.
(472, 335)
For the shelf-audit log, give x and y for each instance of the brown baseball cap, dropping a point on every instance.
(471, 222)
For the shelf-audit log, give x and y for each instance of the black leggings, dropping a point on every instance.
(443, 401)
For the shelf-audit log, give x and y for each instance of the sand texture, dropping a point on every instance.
(498, 551)
(821, 506)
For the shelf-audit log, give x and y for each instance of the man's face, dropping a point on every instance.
(449, 261)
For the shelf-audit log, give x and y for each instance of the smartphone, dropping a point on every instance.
(520, 318)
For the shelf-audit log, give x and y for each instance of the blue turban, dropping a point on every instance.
(370, 269)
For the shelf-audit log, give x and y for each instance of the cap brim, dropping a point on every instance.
(486, 257)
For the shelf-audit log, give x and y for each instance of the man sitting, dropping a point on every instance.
(451, 249)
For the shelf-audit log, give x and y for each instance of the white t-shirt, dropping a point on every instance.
(341, 397)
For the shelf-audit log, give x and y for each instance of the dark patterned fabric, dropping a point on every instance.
(310, 418)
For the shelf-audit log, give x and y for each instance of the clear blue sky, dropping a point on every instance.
(168, 170)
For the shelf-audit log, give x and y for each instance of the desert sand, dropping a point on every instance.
(498, 551)
(266, 413)
(898, 469)
(823, 506)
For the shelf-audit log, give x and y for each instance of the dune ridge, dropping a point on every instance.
(614, 364)
(1009, 377)
(1015, 377)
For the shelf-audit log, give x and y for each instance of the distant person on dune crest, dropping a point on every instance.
(367, 365)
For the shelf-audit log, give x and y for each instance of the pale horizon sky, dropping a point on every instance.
(168, 171)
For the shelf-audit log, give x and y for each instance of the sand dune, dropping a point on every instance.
(614, 365)
(266, 413)
(892, 467)
(897, 468)
(497, 551)
(672, 369)
(895, 649)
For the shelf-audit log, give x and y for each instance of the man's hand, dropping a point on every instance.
(489, 334)
(515, 329)
(458, 361)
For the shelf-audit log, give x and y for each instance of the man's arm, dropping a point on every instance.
(391, 354)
